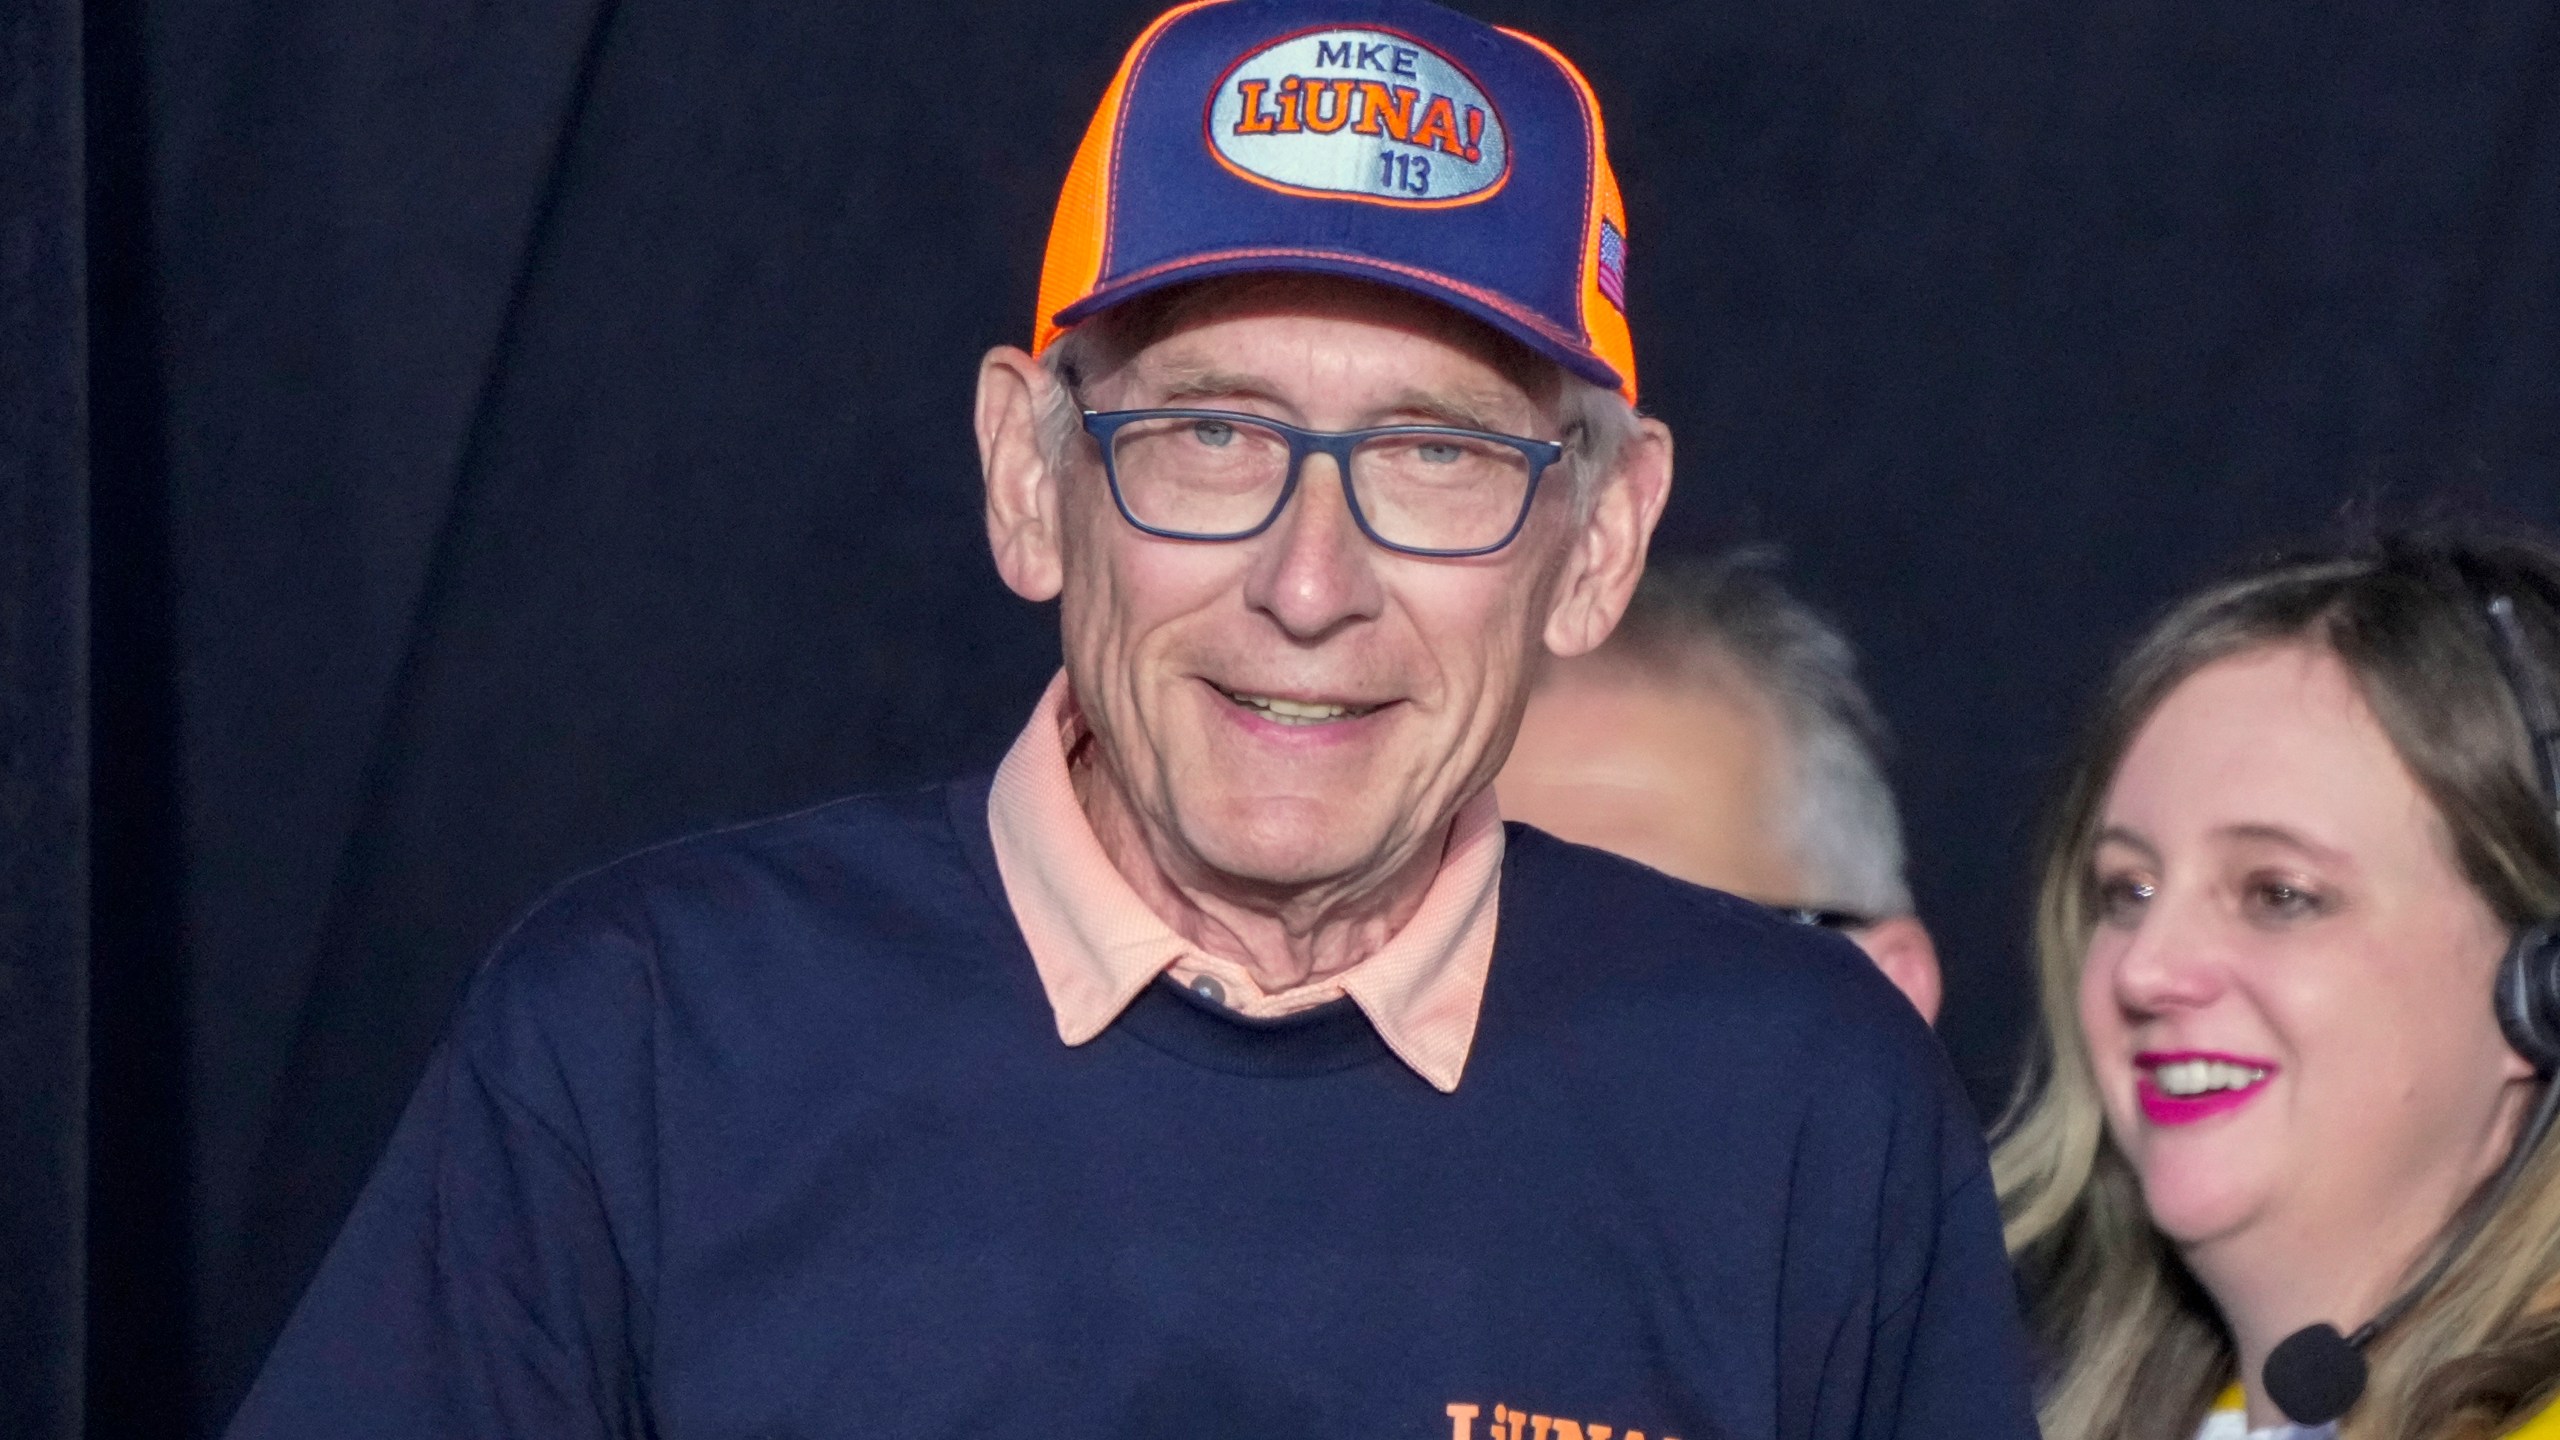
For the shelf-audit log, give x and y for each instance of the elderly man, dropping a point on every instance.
(1721, 736)
(1220, 1066)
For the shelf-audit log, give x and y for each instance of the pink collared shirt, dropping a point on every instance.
(1096, 944)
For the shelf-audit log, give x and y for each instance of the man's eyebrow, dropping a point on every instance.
(1178, 384)
(1465, 409)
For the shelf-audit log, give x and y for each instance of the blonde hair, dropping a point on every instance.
(2140, 1351)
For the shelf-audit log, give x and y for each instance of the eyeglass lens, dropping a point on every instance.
(1212, 478)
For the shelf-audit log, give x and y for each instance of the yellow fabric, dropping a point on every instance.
(2544, 1426)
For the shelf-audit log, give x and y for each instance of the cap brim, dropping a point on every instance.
(1529, 330)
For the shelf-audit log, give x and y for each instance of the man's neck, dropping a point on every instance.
(1283, 936)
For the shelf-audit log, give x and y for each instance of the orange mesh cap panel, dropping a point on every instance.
(1604, 322)
(1611, 340)
(1073, 264)
(1080, 233)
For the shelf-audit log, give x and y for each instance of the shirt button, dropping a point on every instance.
(1209, 990)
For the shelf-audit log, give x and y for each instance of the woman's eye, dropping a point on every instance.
(2278, 899)
(1216, 434)
(2121, 898)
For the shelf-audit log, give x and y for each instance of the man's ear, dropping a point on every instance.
(1022, 488)
(1608, 555)
(1901, 947)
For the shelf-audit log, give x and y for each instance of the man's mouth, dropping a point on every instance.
(1296, 712)
(2180, 1087)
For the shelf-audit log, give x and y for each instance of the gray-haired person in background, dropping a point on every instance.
(1721, 736)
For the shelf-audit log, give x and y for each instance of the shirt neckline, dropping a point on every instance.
(1330, 1038)
(1097, 947)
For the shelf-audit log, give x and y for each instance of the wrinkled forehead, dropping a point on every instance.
(1179, 338)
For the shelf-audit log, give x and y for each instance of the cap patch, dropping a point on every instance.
(1360, 114)
(1613, 265)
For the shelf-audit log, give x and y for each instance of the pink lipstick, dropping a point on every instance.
(2181, 1087)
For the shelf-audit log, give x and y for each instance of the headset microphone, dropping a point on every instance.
(2316, 1374)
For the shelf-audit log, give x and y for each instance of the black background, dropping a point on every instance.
(519, 432)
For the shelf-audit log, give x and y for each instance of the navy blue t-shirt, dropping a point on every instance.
(770, 1133)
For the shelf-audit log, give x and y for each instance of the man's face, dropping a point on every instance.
(1303, 708)
(1687, 777)
(1692, 775)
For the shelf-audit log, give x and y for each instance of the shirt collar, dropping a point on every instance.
(1096, 944)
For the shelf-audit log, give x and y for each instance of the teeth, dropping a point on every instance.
(2196, 1077)
(1298, 712)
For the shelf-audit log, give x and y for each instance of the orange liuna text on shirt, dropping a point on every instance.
(1324, 105)
(1510, 1424)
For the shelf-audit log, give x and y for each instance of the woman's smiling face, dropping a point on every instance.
(2287, 994)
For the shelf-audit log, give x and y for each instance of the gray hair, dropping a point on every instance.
(1688, 615)
(1599, 419)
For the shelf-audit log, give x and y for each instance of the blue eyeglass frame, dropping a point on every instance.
(1826, 919)
(1104, 425)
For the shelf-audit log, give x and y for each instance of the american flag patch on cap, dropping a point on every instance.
(1613, 265)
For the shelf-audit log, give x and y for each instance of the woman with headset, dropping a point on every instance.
(2284, 1165)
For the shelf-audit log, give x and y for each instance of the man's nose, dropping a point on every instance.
(2172, 960)
(1314, 571)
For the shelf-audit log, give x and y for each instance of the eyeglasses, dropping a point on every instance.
(1826, 919)
(1431, 490)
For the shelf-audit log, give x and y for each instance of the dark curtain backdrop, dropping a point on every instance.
(525, 431)
(44, 717)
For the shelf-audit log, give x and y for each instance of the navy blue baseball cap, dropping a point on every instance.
(1386, 140)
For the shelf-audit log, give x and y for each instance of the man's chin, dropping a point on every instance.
(1284, 842)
